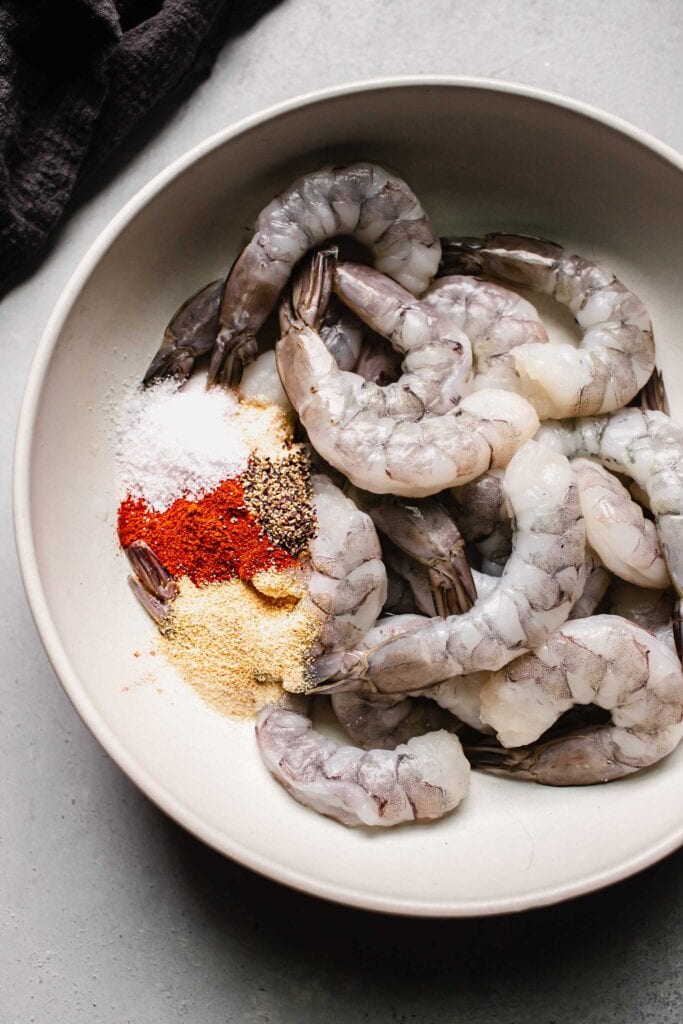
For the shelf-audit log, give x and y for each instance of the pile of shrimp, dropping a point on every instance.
(499, 556)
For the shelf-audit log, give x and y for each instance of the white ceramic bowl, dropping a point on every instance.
(481, 156)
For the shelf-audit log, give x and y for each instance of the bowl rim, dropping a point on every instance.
(23, 528)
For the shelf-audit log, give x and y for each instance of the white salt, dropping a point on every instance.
(179, 442)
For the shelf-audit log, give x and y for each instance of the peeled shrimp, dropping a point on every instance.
(495, 320)
(616, 355)
(360, 199)
(617, 529)
(605, 661)
(383, 439)
(425, 778)
(437, 364)
(347, 583)
(533, 597)
(462, 694)
(648, 448)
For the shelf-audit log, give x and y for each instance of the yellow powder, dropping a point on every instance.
(236, 646)
(281, 584)
(268, 430)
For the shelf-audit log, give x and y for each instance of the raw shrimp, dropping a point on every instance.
(648, 448)
(482, 514)
(422, 779)
(362, 200)
(605, 661)
(461, 695)
(534, 595)
(616, 355)
(424, 531)
(437, 364)
(617, 529)
(345, 576)
(495, 320)
(382, 439)
(347, 585)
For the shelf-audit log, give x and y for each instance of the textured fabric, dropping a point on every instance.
(75, 76)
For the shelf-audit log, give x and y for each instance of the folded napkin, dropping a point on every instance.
(75, 76)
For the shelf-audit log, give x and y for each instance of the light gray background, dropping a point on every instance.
(110, 913)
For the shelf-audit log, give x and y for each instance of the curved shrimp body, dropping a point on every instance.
(496, 321)
(437, 364)
(347, 582)
(616, 528)
(462, 694)
(381, 439)
(360, 199)
(425, 778)
(605, 661)
(646, 446)
(616, 355)
(533, 597)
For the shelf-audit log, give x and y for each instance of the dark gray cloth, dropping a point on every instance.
(75, 77)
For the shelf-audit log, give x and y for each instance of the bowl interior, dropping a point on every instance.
(480, 159)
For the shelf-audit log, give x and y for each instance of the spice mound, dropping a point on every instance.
(241, 626)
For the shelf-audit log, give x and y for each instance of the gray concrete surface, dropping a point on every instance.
(110, 913)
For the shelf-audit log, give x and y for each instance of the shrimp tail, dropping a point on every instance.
(339, 670)
(190, 333)
(580, 759)
(460, 256)
(151, 581)
(469, 255)
(453, 588)
(232, 351)
(652, 397)
(313, 286)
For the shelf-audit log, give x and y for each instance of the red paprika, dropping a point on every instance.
(215, 538)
